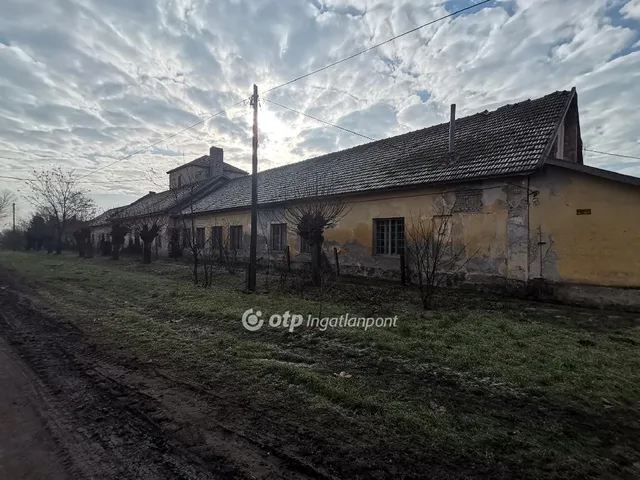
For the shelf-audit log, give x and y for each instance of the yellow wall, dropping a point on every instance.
(602, 248)
(483, 231)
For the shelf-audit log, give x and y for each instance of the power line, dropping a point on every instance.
(610, 153)
(333, 125)
(453, 14)
(320, 120)
(165, 139)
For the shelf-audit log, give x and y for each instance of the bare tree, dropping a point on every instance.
(193, 242)
(82, 236)
(56, 191)
(148, 226)
(119, 230)
(312, 211)
(432, 252)
(6, 201)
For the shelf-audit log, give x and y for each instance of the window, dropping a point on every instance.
(186, 238)
(278, 237)
(235, 234)
(389, 236)
(179, 180)
(216, 237)
(159, 240)
(304, 246)
(200, 237)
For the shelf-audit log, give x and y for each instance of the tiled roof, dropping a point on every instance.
(162, 202)
(510, 140)
(104, 217)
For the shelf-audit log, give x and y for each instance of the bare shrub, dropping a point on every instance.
(432, 254)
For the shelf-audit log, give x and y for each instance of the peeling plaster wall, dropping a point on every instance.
(487, 213)
(600, 248)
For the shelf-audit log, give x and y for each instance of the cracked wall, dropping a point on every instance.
(567, 244)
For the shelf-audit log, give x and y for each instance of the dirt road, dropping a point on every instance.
(70, 410)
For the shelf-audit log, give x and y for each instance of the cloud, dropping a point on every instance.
(85, 83)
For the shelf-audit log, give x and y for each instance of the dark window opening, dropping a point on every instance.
(304, 246)
(235, 234)
(200, 237)
(216, 237)
(278, 237)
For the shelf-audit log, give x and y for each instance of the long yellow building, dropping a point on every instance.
(511, 183)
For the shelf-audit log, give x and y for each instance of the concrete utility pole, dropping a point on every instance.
(14, 216)
(253, 254)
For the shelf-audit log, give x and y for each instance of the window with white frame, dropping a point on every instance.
(389, 236)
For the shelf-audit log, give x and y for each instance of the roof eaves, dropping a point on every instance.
(394, 188)
(598, 172)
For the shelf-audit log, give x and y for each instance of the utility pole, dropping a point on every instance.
(14, 216)
(253, 254)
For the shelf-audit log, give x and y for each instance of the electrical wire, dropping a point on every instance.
(612, 154)
(332, 124)
(453, 14)
(164, 139)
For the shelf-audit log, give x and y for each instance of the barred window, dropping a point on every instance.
(186, 238)
(235, 234)
(389, 236)
(278, 237)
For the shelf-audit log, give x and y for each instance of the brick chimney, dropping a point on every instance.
(216, 166)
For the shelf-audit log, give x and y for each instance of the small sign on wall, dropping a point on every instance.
(583, 211)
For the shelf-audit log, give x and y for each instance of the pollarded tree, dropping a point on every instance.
(315, 212)
(82, 236)
(148, 227)
(119, 230)
(56, 191)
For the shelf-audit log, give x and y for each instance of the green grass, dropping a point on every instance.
(513, 387)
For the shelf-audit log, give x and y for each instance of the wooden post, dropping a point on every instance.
(288, 253)
(253, 253)
(335, 253)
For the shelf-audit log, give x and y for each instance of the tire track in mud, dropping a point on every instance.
(111, 421)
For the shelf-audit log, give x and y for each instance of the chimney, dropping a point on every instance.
(452, 132)
(216, 166)
(151, 193)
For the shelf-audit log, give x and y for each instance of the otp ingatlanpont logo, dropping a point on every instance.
(252, 321)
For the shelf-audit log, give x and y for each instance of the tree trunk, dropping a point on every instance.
(115, 252)
(316, 263)
(59, 243)
(195, 268)
(146, 251)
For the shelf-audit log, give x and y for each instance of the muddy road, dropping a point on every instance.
(70, 410)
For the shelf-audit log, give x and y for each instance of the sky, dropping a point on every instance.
(84, 83)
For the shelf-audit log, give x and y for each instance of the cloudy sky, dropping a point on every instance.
(84, 83)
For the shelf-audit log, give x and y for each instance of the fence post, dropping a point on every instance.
(403, 278)
(288, 253)
(335, 253)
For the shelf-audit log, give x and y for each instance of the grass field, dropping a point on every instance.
(479, 386)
